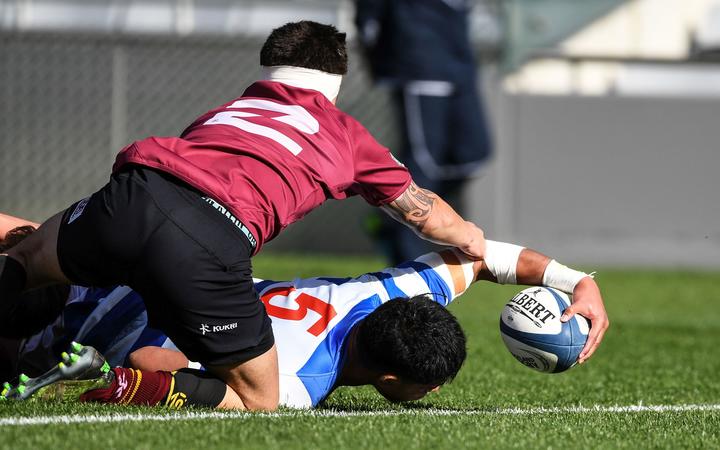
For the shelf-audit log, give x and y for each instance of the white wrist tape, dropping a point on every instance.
(562, 277)
(501, 259)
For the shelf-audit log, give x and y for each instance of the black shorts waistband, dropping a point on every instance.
(235, 221)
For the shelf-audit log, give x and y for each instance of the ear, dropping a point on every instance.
(388, 379)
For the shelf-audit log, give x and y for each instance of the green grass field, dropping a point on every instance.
(662, 350)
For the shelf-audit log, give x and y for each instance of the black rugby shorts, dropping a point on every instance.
(191, 264)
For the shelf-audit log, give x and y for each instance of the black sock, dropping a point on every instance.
(196, 388)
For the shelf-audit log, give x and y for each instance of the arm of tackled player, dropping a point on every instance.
(511, 264)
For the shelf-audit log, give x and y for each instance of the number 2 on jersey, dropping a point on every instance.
(305, 302)
(293, 115)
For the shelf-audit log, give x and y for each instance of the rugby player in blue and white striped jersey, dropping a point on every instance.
(388, 329)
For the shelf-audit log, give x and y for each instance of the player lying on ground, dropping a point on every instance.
(330, 332)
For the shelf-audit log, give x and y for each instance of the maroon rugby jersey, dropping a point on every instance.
(273, 155)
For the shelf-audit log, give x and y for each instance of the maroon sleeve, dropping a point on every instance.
(379, 177)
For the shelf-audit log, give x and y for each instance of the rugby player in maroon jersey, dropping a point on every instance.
(181, 217)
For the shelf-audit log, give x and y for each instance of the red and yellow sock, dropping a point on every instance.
(133, 387)
(173, 389)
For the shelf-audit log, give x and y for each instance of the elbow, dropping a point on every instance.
(137, 360)
(476, 235)
(443, 224)
(476, 230)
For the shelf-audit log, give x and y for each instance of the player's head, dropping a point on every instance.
(306, 44)
(14, 236)
(414, 344)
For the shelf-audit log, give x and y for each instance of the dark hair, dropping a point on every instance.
(416, 339)
(306, 44)
(14, 236)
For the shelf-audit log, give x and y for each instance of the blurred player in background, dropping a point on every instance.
(388, 329)
(182, 216)
(421, 50)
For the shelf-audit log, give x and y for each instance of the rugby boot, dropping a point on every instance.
(81, 370)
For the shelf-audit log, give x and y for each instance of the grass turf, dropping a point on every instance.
(661, 349)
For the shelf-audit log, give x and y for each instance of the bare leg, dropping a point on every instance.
(38, 255)
(256, 382)
(231, 400)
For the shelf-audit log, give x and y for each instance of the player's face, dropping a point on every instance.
(401, 391)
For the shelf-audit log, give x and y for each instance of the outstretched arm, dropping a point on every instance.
(529, 270)
(510, 264)
(433, 219)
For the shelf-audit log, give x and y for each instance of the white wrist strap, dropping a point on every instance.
(501, 259)
(562, 277)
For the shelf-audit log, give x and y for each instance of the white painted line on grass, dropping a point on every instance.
(224, 415)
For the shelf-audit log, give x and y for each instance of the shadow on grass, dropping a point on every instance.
(387, 407)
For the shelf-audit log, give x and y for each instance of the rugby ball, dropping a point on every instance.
(531, 329)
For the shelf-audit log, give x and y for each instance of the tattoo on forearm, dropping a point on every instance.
(415, 205)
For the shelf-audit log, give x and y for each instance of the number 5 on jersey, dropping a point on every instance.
(305, 302)
(293, 115)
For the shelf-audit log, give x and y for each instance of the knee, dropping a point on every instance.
(21, 258)
(24, 249)
(233, 400)
(260, 398)
(13, 276)
(136, 360)
(255, 381)
(37, 253)
(17, 256)
(260, 404)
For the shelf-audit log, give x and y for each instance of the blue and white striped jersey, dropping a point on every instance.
(311, 318)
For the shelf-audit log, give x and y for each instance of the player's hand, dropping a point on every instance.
(474, 248)
(588, 302)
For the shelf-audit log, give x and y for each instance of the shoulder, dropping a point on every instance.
(445, 275)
